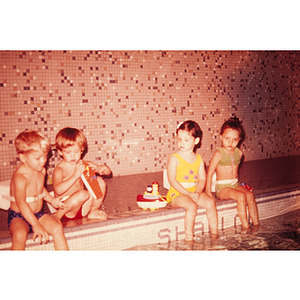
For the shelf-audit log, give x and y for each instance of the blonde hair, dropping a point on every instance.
(66, 137)
(29, 140)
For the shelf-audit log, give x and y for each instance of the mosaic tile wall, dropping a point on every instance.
(129, 103)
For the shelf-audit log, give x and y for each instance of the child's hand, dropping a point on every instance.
(195, 196)
(210, 194)
(79, 169)
(40, 233)
(58, 204)
(101, 170)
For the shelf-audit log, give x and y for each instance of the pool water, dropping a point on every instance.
(278, 233)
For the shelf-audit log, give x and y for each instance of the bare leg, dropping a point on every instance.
(230, 193)
(86, 207)
(74, 203)
(96, 212)
(54, 227)
(211, 212)
(252, 206)
(19, 231)
(191, 210)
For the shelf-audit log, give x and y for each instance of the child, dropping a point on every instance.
(67, 183)
(27, 192)
(225, 162)
(186, 175)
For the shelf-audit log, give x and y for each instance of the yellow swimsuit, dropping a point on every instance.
(186, 174)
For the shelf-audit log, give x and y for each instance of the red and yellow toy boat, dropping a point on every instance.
(151, 198)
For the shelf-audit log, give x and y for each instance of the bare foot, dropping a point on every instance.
(214, 237)
(189, 238)
(257, 228)
(97, 214)
(245, 230)
(86, 207)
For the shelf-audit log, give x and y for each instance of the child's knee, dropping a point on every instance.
(83, 195)
(211, 205)
(242, 197)
(57, 228)
(102, 183)
(250, 197)
(192, 208)
(19, 235)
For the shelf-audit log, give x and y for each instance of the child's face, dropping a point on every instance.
(71, 154)
(230, 138)
(35, 159)
(185, 141)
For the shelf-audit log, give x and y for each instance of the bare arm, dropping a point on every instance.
(19, 191)
(202, 179)
(55, 202)
(100, 169)
(211, 169)
(241, 153)
(171, 171)
(60, 185)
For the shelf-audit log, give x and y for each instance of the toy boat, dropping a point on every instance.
(152, 204)
(151, 198)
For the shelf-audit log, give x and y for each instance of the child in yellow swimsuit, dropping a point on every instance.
(225, 162)
(186, 175)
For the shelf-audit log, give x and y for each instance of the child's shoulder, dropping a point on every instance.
(21, 171)
(18, 175)
(240, 151)
(173, 156)
(219, 152)
(179, 157)
(60, 164)
(22, 176)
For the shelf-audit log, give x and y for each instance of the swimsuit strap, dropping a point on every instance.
(28, 199)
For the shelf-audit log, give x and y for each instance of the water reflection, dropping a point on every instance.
(278, 233)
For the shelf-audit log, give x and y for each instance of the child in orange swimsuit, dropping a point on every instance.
(186, 175)
(27, 193)
(225, 162)
(67, 181)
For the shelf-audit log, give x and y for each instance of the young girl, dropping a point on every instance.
(225, 162)
(186, 175)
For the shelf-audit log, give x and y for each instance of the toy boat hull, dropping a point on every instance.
(152, 204)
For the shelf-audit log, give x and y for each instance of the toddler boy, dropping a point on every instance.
(71, 144)
(27, 192)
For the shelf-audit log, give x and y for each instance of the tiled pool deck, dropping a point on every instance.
(272, 179)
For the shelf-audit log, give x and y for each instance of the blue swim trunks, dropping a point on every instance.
(13, 214)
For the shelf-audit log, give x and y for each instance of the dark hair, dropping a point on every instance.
(234, 123)
(66, 137)
(193, 129)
